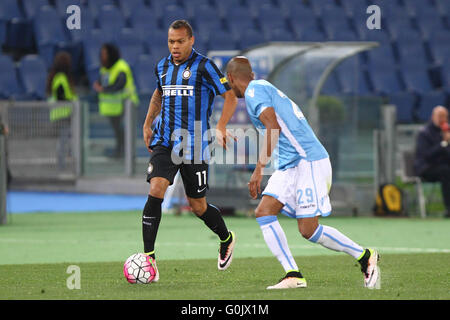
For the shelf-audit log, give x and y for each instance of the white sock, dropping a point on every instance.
(277, 242)
(332, 239)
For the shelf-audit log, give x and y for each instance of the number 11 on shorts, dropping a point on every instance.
(199, 176)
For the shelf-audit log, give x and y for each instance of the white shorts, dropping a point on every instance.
(303, 189)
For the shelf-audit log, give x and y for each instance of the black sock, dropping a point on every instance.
(214, 221)
(151, 217)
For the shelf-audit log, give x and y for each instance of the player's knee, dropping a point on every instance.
(261, 212)
(157, 190)
(306, 232)
(198, 207)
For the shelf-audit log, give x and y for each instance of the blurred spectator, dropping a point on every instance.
(60, 87)
(116, 84)
(432, 161)
(4, 131)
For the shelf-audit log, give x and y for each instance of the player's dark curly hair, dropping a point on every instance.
(113, 54)
(61, 63)
(178, 24)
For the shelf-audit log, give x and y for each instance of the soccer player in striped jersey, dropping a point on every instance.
(187, 83)
(299, 187)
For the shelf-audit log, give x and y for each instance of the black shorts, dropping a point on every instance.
(194, 176)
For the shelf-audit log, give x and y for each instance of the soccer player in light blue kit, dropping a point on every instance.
(299, 187)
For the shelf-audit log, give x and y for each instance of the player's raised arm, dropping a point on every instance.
(229, 106)
(154, 109)
(269, 120)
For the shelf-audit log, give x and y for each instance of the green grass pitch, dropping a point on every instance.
(36, 250)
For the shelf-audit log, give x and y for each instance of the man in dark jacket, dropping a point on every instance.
(432, 161)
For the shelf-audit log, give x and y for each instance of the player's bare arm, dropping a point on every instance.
(229, 106)
(269, 119)
(154, 109)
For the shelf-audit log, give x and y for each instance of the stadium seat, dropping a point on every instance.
(91, 48)
(51, 36)
(145, 75)
(18, 31)
(427, 102)
(440, 52)
(413, 55)
(416, 79)
(332, 85)
(144, 22)
(205, 29)
(322, 6)
(405, 103)
(222, 40)
(33, 73)
(172, 13)
(95, 6)
(250, 38)
(62, 5)
(129, 6)
(223, 6)
(381, 54)
(270, 17)
(32, 7)
(385, 78)
(352, 77)
(157, 39)
(354, 7)
(87, 24)
(111, 21)
(130, 46)
(443, 7)
(10, 87)
(203, 11)
(279, 34)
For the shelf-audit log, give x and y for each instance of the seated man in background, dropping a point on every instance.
(432, 161)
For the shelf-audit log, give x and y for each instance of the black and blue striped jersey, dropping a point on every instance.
(188, 92)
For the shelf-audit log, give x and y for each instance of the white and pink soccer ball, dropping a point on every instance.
(139, 268)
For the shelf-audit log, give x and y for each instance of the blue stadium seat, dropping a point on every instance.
(144, 74)
(381, 54)
(429, 100)
(129, 6)
(205, 29)
(10, 87)
(50, 35)
(144, 22)
(62, 5)
(33, 73)
(270, 18)
(130, 46)
(445, 75)
(18, 30)
(172, 13)
(202, 11)
(251, 37)
(95, 6)
(87, 24)
(405, 103)
(111, 21)
(321, 6)
(412, 54)
(444, 7)
(222, 40)
(332, 85)
(91, 49)
(352, 77)
(157, 39)
(354, 7)
(279, 34)
(416, 79)
(440, 51)
(32, 7)
(384, 78)
(223, 6)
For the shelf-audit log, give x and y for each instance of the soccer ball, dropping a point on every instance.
(139, 268)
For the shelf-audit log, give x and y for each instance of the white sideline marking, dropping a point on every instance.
(261, 245)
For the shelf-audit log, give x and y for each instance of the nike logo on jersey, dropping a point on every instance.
(200, 190)
(163, 75)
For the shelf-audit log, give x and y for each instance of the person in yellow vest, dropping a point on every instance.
(60, 87)
(115, 86)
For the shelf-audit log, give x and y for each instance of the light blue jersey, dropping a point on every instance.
(297, 140)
